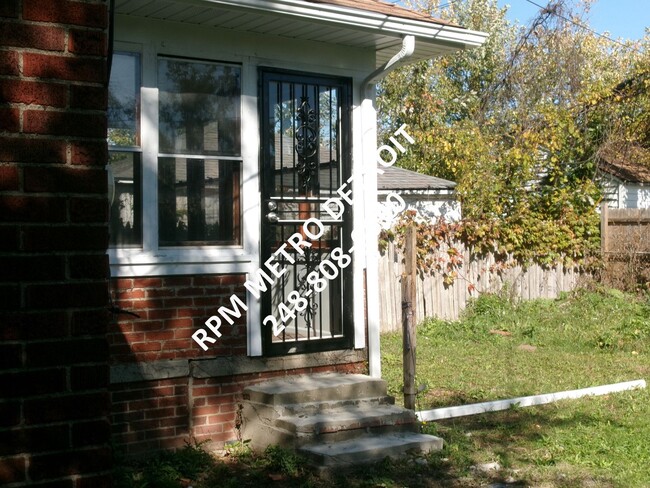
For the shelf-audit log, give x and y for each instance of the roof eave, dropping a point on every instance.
(362, 19)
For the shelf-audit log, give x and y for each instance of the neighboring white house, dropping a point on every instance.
(625, 178)
(432, 198)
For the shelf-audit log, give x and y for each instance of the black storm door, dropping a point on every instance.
(306, 153)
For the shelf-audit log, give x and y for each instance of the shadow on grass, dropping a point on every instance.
(515, 439)
(277, 467)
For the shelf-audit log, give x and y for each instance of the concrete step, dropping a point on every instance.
(312, 408)
(326, 406)
(369, 448)
(316, 388)
(353, 417)
(263, 425)
(334, 419)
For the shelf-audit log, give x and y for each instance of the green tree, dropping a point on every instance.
(517, 123)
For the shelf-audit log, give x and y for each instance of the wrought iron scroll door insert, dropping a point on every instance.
(306, 148)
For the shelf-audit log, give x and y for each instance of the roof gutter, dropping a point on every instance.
(369, 180)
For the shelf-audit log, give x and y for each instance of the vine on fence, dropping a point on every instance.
(437, 250)
(545, 243)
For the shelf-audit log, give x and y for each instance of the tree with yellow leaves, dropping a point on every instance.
(518, 124)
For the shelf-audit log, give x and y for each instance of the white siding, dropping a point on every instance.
(623, 195)
(636, 196)
(430, 206)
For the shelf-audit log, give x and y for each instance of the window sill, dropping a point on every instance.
(177, 261)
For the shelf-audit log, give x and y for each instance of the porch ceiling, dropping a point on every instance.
(319, 22)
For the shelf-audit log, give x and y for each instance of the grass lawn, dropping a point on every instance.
(499, 350)
(502, 351)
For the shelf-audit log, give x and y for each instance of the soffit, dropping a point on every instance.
(329, 22)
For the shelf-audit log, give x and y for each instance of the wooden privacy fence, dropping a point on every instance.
(434, 299)
(625, 231)
(625, 244)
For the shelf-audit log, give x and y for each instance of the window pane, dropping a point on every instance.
(199, 108)
(198, 201)
(126, 199)
(124, 100)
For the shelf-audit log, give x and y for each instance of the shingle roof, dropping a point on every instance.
(384, 8)
(630, 164)
(395, 178)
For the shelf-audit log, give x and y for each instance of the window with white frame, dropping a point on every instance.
(196, 152)
(125, 155)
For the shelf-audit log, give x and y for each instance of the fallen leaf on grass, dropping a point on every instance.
(503, 333)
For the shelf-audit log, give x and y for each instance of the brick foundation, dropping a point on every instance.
(150, 415)
(214, 402)
(164, 414)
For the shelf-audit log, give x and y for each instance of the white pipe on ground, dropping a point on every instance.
(527, 401)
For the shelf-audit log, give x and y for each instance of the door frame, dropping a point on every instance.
(267, 180)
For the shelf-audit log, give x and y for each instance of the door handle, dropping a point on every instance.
(274, 219)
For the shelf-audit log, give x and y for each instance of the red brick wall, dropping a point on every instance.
(54, 428)
(164, 414)
(150, 415)
(170, 310)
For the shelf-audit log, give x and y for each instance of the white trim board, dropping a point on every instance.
(527, 401)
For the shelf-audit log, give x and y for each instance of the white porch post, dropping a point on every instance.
(370, 228)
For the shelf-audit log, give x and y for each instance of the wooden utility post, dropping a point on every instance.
(408, 316)
(604, 231)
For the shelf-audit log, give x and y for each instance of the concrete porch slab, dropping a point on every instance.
(318, 387)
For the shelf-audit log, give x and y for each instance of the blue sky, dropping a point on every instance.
(621, 18)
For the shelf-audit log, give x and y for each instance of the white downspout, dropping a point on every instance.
(369, 182)
(408, 48)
